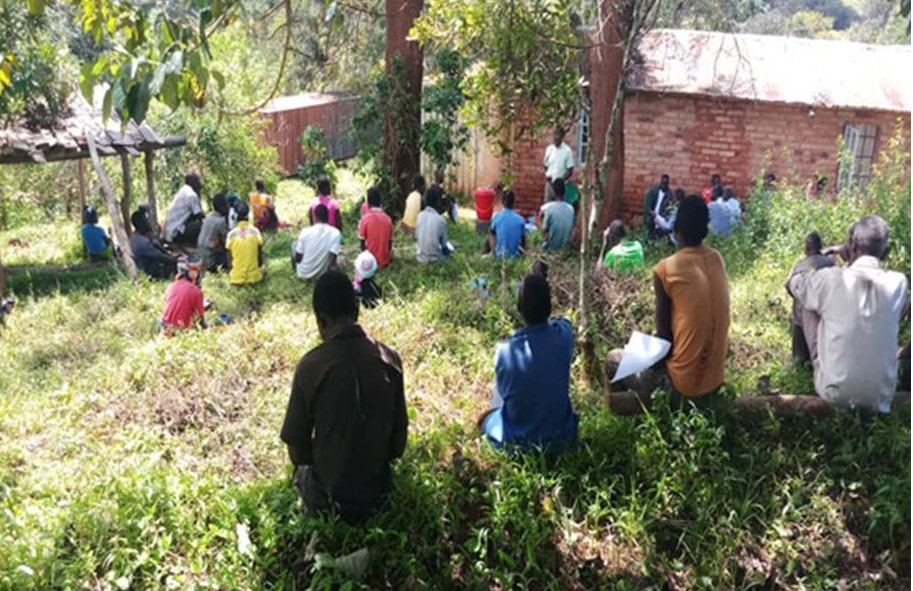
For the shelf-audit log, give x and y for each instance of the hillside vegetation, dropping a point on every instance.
(131, 461)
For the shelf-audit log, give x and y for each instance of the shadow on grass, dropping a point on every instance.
(41, 281)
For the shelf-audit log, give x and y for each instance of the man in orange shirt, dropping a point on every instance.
(692, 312)
(375, 230)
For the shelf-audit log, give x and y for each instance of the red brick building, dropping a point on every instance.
(701, 103)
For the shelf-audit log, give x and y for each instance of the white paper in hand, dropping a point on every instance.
(641, 352)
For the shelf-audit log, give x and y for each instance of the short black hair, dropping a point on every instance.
(334, 297)
(508, 199)
(715, 177)
(558, 188)
(321, 213)
(191, 179)
(323, 185)
(259, 186)
(418, 182)
(664, 177)
(535, 302)
(374, 197)
(140, 222)
(433, 197)
(220, 203)
(813, 244)
(691, 220)
(871, 234)
(242, 209)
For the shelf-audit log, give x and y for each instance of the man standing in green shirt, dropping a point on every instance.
(623, 256)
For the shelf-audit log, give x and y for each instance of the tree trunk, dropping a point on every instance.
(607, 123)
(128, 185)
(402, 123)
(81, 175)
(120, 233)
(150, 189)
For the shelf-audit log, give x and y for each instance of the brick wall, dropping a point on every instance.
(691, 138)
(526, 165)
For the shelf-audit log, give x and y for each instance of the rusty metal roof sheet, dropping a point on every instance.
(302, 101)
(765, 68)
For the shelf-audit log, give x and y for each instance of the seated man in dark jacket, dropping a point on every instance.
(346, 418)
(149, 257)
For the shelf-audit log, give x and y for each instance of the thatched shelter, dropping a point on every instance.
(83, 134)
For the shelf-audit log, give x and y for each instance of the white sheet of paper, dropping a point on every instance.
(641, 352)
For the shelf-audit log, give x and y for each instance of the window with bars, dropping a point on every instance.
(857, 156)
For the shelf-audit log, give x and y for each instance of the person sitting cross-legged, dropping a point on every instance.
(623, 256)
(557, 220)
(375, 229)
(860, 307)
(507, 237)
(531, 406)
(211, 242)
(184, 303)
(149, 257)
(431, 230)
(96, 242)
(346, 419)
(692, 312)
(244, 248)
(317, 246)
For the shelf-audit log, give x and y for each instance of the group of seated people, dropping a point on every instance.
(661, 207)
(353, 384)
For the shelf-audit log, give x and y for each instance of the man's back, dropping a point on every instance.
(376, 229)
(214, 226)
(183, 304)
(94, 239)
(314, 244)
(695, 280)
(244, 245)
(184, 204)
(860, 308)
(431, 235)
(625, 257)
(509, 228)
(558, 221)
(532, 369)
(347, 411)
(720, 218)
(412, 209)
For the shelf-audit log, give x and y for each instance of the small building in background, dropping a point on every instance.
(700, 103)
(289, 116)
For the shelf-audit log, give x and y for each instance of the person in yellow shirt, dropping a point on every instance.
(413, 205)
(244, 246)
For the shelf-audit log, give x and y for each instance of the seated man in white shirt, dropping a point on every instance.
(860, 308)
(317, 246)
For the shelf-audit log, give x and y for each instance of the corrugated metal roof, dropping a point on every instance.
(301, 101)
(775, 69)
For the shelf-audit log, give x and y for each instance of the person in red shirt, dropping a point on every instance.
(375, 230)
(184, 304)
(485, 206)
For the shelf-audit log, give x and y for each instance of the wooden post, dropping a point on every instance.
(128, 185)
(150, 190)
(81, 174)
(120, 233)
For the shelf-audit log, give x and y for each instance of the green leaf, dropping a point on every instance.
(175, 62)
(36, 6)
(155, 87)
(106, 104)
(219, 77)
(87, 80)
(169, 93)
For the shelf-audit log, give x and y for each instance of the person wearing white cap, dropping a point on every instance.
(366, 288)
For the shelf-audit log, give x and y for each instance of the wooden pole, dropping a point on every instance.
(81, 174)
(120, 233)
(150, 189)
(128, 185)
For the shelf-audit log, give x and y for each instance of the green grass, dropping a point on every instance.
(129, 461)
